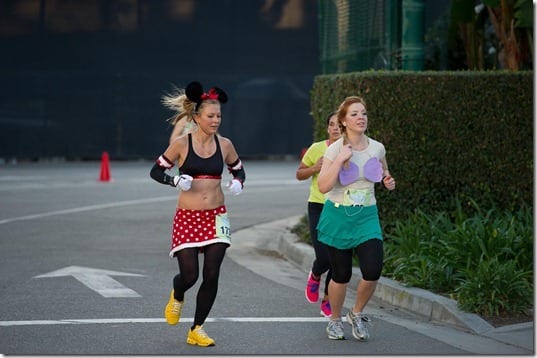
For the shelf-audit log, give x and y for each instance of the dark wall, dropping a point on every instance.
(74, 86)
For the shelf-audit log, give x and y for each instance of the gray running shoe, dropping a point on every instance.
(357, 321)
(335, 329)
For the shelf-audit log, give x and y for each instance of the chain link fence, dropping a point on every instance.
(356, 35)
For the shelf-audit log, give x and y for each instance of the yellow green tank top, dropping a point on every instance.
(312, 155)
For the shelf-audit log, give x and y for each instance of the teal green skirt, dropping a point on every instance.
(346, 227)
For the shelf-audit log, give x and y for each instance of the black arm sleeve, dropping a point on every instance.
(237, 170)
(158, 174)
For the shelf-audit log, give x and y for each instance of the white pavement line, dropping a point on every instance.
(159, 320)
(159, 199)
(89, 208)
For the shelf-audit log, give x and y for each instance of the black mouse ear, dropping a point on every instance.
(222, 96)
(193, 91)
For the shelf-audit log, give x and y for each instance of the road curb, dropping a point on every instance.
(430, 305)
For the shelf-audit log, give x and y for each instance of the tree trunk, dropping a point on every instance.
(508, 55)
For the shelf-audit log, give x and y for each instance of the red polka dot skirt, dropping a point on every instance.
(198, 228)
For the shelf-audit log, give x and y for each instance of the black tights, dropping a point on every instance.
(189, 272)
(321, 264)
(370, 255)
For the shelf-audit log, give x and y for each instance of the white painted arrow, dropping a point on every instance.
(96, 279)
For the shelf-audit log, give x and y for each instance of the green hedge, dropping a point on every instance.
(448, 135)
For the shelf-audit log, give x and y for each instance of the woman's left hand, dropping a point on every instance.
(235, 187)
(389, 182)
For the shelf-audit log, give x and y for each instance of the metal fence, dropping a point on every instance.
(358, 35)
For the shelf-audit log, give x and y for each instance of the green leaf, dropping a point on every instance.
(524, 13)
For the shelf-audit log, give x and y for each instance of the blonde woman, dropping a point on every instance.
(349, 222)
(201, 223)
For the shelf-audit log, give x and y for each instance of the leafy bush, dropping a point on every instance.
(495, 287)
(484, 261)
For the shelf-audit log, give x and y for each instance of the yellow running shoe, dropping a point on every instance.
(197, 336)
(172, 312)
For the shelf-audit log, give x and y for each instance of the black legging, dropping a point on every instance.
(370, 257)
(189, 272)
(321, 264)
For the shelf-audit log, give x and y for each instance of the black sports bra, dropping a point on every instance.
(203, 168)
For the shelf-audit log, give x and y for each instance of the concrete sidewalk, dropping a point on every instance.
(431, 307)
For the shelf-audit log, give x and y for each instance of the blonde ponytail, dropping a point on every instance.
(180, 104)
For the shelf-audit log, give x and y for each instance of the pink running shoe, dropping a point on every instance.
(312, 289)
(326, 310)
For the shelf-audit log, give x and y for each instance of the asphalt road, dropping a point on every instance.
(85, 270)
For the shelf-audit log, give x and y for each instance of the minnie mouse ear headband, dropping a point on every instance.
(194, 92)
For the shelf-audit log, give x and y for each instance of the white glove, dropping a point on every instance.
(183, 181)
(235, 187)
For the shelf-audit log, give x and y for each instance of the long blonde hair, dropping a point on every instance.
(180, 104)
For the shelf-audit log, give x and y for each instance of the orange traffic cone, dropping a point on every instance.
(105, 167)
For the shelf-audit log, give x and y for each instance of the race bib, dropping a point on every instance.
(223, 228)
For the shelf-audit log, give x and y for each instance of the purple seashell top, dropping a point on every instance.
(373, 170)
